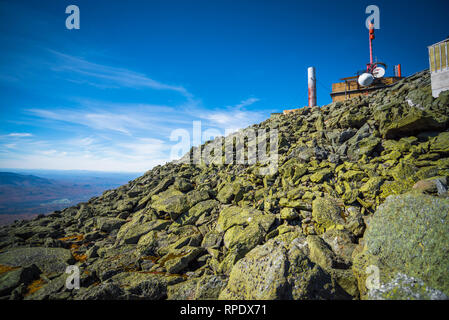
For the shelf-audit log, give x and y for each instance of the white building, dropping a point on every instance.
(439, 67)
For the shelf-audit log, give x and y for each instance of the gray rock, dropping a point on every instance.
(408, 235)
(108, 224)
(273, 271)
(50, 261)
(12, 279)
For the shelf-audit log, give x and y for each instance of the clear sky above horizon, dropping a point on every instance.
(108, 96)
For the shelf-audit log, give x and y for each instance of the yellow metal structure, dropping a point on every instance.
(439, 67)
(350, 88)
(438, 56)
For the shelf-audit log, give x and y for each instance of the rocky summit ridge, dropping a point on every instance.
(358, 209)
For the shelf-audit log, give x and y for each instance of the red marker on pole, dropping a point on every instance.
(371, 38)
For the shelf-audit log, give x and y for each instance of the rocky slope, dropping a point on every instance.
(358, 209)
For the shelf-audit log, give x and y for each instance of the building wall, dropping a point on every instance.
(353, 89)
(440, 82)
(439, 67)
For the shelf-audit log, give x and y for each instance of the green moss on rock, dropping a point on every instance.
(408, 235)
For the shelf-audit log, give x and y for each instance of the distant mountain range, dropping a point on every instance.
(24, 194)
(14, 179)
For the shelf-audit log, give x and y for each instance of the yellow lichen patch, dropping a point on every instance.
(113, 258)
(74, 246)
(152, 272)
(130, 267)
(151, 258)
(4, 269)
(77, 237)
(171, 256)
(166, 274)
(34, 286)
(79, 257)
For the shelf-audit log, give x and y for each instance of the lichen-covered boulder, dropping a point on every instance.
(408, 234)
(342, 242)
(172, 203)
(230, 192)
(403, 287)
(131, 232)
(276, 270)
(204, 288)
(182, 184)
(372, 186)
(12, 277)
(198, 210)
(177, 260)
(210, 286)
(289, 213)
(245, 237)
(413, 120)
(212, 239)
(115, 260)
(48, 289)
(322, 254)
(151, 243)
(185, 290)
(441, 143)
(131, 285)
(327, 214)
(365, 146)
(238, 216)
(106, 224)
(321, 175)
(51, 261)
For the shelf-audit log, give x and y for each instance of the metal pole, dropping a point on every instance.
(371, 37)
(311, 81)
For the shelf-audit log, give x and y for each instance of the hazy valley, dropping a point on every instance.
(27, 193)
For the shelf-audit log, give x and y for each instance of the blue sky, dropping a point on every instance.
(108, 96)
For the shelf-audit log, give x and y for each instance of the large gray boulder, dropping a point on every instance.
(280, 269)
(406, 242)
(50, 261)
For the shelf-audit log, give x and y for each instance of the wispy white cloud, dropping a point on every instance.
(234, 117)
(87, 153)
(113, 136)
(80, 161)
(117, 106)
(82, 133)
(146, 120)
(19, 135)
(87, 141)
(146, 147)
(98, 121)
(111, 141)
(49, 152)
(245, 103)
(111, 76)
